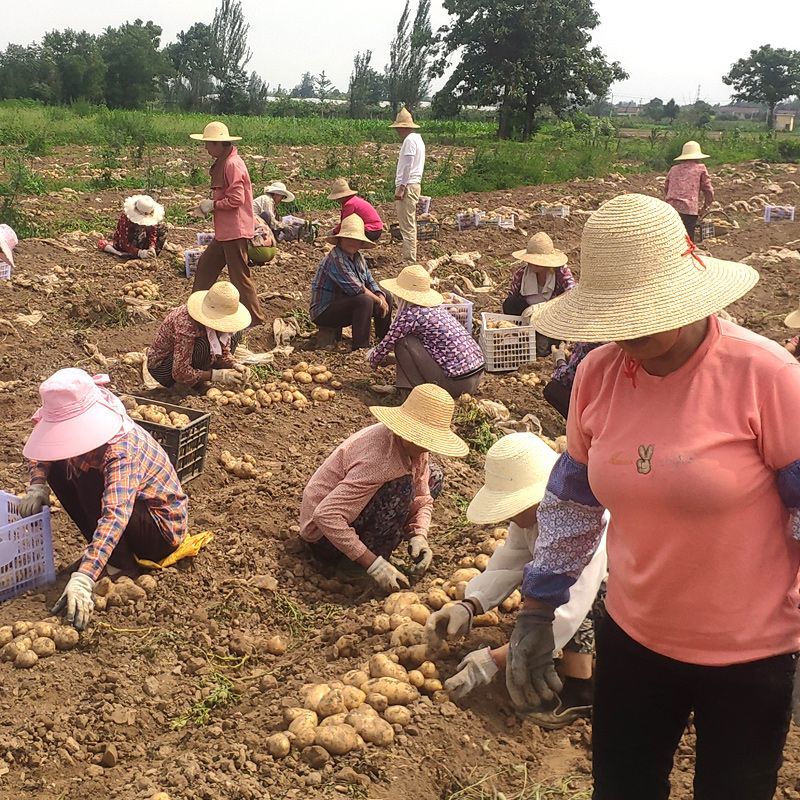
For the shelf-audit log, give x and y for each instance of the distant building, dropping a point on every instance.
(784, 120)
(626, 110)
(743, 111)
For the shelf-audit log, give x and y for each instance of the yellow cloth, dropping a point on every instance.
(189, 547)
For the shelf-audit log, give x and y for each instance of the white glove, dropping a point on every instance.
(420, 552)
(146, 254)
(206, 206)
(476, 669)
(230, 377)
(37, 496)
(528, 313)
(77, 598)
(559, 353)
(450, 622)
(386, 576)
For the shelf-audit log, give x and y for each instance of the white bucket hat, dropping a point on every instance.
(640, 274)
(691, 151)
(141, 209)
(517, 469)
(279, 187)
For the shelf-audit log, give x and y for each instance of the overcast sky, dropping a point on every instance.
(668, 49)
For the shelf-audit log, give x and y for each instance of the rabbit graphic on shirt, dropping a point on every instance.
(644, 462)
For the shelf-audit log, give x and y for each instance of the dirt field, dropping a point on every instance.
(139, 668)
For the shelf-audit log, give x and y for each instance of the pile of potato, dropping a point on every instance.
(133, 359)
(155, 413)
(526, 379)
(123, 591)
(8, 386)
(24, 643)
(252, 399)
(144, 290)
(500, 324)
(244, 467)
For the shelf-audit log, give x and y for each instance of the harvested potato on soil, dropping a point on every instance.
(291, 714)
(417, 612)
(381, 666)
(397, 601)
(398, 693)
(381, 623)
(312, 695)
(437, 598)
(416, 678)
(353, 697)
(243, 467)
(512, 602)
(377, 701)
(7, 634)
(338, 740)
(409, 634)
(278, 745)
(303, 730)
(396, 715)
(44, 647)
(331, 703)
(65, 638)
(355, 678)
(21, 627)
(372, 730)
(26, 659)
(144, 289)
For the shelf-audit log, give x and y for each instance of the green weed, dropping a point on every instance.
(473, 426)
(221, 694)
(486, 787)
(300, 621)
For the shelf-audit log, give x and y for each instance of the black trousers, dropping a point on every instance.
(558, 396)
(690, 223)
(514, 305)
(642, 703)
(358, 311)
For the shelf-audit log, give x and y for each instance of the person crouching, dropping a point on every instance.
(141, 231)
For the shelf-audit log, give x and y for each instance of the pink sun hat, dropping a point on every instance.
(77, 415)
(8, 241)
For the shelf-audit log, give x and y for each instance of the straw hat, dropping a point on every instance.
(219, 308)
(792, 320)
(691, 151)
(517, 469)
(640, 275)
(414, 284)
(341, 188)
(404, 119)
(352, 227)
(77, 415)
(279, 187)
(215, 132)
(141, 209)
(424, 420)
(541, 253)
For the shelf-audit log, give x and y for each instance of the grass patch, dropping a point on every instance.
(221, 694)
(472, 424)
(300, 621)
(302, 320)
(517, 785)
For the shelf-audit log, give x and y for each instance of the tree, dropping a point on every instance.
(654, 109)
(24, 72)
(257, 94)
(768, 75)
(523, 56)
(671, 110)
(134, 63)
(230, 53)
(78, 68)
(698, 115)
(305, 88)
(366, 85)
(411, 51)
(322, 86)
(191, 61)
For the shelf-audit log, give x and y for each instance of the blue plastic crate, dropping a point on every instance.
(26, 549)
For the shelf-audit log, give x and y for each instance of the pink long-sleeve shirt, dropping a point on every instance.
(367, 212)
(232, 193)
(349, 478)
(685, 183)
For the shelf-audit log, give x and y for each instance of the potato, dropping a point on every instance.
(396, 692)
(10, 651)
(322, 377)
(364, 710)
(412, 657)
(431, 685)
(332, 703)
(481, 562)
(500, 533)
(65, 638)
(377, 701)
(302, 366)
(20, 628)
(338, 740)
(396, 620)
(275, 646)
(409, 634)
(6, 635)
(460, 590)
(397, 601)
(464, 575)
(26, 659)
(487, 620)
(353, 697)
(43, 647)
(291, 714)
(512, 602)
(440, 697)
(213, 393)
(321, 395)
(304, 729)
(381, 623)
(336, 384)
(287, 375)
(355, 678)
(428, 669)
(278, 745)
(43, 629)
(488, 546)
(417, 612)
(287, 397)
(334, 719)
(395, 715)
(312, 695)
(303, 377)
(373, 730)
(381, 666)
(436, 598)
(416, 678)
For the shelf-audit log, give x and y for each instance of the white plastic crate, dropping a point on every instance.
(424, 205)
(5, 271)
(507, 221)
(774, 213)
(506, 349)
(461, 309)
(190, 259)
(562, 212)
(26, 549)
(204, 238)
(466, 220)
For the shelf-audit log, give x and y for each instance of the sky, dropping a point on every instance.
(670, 50)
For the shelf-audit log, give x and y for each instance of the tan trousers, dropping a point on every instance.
(406, 211)
(233, 254)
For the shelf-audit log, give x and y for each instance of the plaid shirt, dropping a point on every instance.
(131, 238)
(564, 280)
(134, 466)
(337, 274)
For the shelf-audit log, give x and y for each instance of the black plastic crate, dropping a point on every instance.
(186, 447)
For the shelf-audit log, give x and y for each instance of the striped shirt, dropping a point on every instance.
(337, 274)
(133, 466)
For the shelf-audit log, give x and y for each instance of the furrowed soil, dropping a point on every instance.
(194, 643)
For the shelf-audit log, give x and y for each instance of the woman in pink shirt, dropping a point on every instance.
(351, 203)
(684, 428)
(686, 181)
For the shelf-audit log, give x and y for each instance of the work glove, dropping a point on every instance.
(450, 622)
(531, 677)
(37, 496)
(559, 353)
(206, 206)
(476, 669)
(147, 254)
(528, 313)
(228, 377)
(77, 599)
(386, 576)
(244, 371)
(420, 552)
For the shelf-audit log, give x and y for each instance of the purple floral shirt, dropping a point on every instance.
(441, 334)
(565, 373)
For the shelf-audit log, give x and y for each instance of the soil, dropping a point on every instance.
(98, 721)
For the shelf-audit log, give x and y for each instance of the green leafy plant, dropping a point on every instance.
(220, 693)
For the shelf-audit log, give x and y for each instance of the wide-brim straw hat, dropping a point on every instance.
(279, 187)
(352, 227)
(141, 209)
(404, 119)
(424, 420)
(414, 285)
(792, 320)
(640, 275)
(219, 308)
(340, 189)
(691, 151)
(517, 469)
(215, 132)
(541, 252)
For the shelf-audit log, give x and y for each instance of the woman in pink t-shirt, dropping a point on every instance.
(351, 203)
(684, 429)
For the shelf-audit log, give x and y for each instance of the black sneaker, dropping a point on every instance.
(574, 702)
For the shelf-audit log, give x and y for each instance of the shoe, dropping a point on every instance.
(559, 717)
